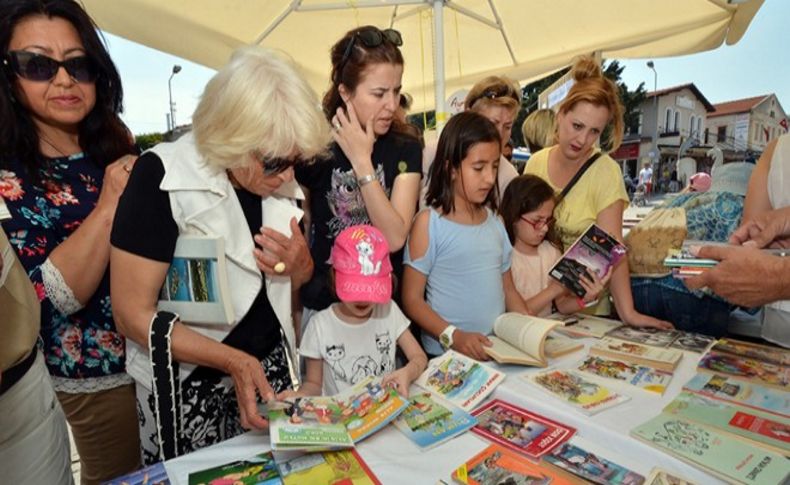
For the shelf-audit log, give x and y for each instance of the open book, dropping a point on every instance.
(196, 285)
(522, 339)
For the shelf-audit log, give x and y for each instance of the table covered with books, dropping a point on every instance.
(393, 458)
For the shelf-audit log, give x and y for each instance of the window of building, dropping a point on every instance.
(692, 119)
(699, 126)
(677, 121)
(721, 135)
(668, 123)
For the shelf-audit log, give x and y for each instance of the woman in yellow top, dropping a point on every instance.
(599, 195)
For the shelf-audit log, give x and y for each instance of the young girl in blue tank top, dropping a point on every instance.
(457, 261)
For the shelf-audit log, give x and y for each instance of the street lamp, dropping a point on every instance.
(176, 70)
(656, 155)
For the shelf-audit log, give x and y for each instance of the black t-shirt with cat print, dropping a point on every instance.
(336, 203)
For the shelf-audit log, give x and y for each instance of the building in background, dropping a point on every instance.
(746, 125)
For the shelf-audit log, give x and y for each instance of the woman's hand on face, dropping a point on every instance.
(471, 344)
(355, 141)
(249, 380)
(290, 255)
(116, 175)
(593, 285)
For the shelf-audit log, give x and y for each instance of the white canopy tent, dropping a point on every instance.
(448, 44)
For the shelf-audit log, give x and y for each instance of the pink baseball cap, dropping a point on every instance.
(700, 182)
(361, 259)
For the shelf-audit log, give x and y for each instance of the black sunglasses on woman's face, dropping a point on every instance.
(41, 68)
(370, 38)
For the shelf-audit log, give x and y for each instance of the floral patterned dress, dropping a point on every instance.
(83, 351)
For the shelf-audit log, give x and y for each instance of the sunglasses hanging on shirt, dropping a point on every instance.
(41, 68)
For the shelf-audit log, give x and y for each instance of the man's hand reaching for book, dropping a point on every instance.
(471, 344)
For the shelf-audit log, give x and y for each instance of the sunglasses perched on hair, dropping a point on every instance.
(494, 92)
(370, 38)
(540, 224)
(41, 68)
(273, 166)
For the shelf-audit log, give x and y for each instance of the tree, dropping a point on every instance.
(147, 140)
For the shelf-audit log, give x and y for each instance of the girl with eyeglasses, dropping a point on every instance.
(373, 172)
(65, 157)
(527, 211)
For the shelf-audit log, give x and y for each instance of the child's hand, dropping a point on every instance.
(399, 380)
(593, 285)
(471, 344)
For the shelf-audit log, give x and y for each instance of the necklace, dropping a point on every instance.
(46, 140)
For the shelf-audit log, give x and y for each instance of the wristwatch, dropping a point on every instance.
(446, 337)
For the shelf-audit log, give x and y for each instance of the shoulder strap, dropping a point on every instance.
(578, 175)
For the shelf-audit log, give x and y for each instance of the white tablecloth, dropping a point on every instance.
(396, 460)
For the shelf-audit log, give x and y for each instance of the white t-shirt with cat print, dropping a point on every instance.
(353, 351)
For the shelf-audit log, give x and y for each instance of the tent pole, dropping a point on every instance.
(438, 64)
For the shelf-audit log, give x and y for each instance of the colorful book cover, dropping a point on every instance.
(462, 381)
(730, 459)
(498, 465)
(258, 470)
(429, 421)
(593, 253)
(591, 467)
(368, 406)
(755, 371)
(520, 430)
(343, 467)
(664, 359)
(307, 423)
(765, 353)
(150, 475)
(587, 396)
(741, 393)
(646, 378)
(769, 431)
(663, 477)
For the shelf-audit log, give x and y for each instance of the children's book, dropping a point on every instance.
(755, 371)
(593, 468)
(768, 431)
(336, 422)
(662, 359)
(765, 353)
(587, 396)
(520, 339)
(587, 326)
(463, 381)
(646, 378)
(258, 470)
(344, 467)
(557, 345)
(716, 453)
(663, 477)
(498, 465)
(742, 393)
(196, 285)
(429, 420)
(694, 342)
(151, 475)
(520, 430)
(594, 252)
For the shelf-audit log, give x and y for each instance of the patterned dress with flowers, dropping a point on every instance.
(83, 351)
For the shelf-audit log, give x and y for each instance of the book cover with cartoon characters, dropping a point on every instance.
(497, 464)
(645, 378)
(429, 420)
(586, 396)
(463, 381)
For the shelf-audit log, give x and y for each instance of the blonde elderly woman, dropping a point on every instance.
(538, 129)
(231, 177)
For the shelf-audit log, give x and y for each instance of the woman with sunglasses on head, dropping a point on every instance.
(588, 181)
(64, 161)
(373, 175)
(231, 178)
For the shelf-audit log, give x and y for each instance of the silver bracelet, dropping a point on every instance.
(362, 181)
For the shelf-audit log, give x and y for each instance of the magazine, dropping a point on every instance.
(765, 353)
(520, 339)
(588, 466)
(498, 465)
(761, 429)
(344, 467)
(693, 342)
(732, 460)
(429, 420)
(463, 381)
(196, 285)
(595, 251)
(520, 430)
(742, 393)
(662, 359)
(151, 475)
(585, 395)
(755, 371)
(645, 378)
(663, 477)
(587, 326)
(258, 470)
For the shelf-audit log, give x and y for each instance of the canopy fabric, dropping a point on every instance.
(522, 39)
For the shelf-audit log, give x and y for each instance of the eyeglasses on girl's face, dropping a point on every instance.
(540, 223)
(41, 68)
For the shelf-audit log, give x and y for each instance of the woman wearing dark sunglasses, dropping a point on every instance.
(64, 161)
(373, 176)
(231, 178)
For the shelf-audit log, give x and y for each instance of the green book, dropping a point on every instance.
(769, 431)
(716, 453)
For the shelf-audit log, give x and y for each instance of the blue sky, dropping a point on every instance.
(757, 65)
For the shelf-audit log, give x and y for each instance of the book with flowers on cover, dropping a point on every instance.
(430, 420)
(459, 379)
(523, 339)
(742, 393)
(520, 430)
(662, 359)
(570, 386)
(498, 465)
